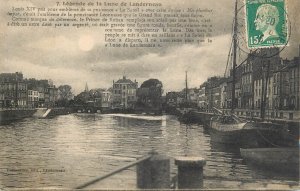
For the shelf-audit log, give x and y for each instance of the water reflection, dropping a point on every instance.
(232, 150)
(79, 147)
(259, 172)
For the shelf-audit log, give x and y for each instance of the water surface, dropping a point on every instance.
(66, 151)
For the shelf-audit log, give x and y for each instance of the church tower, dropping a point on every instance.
(86, 87)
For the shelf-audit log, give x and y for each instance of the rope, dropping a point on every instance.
(174, 181)
(228, 58)
(266, 139)
(113, 172)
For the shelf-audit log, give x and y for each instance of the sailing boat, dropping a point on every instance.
(230, 129)
(186, 110)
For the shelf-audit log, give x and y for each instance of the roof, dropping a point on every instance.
(124, 80)
(9, 77)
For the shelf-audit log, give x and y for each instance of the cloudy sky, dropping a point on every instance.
(63, 55)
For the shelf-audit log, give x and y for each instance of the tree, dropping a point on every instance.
(150, 92)
(64, 94)
(151, 83)
(85, 97)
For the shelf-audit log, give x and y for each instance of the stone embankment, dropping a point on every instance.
(8, 115)
(51, 112)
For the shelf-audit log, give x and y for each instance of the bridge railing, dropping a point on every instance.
(153, 172)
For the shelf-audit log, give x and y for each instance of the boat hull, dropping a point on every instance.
(246, 135)
(240, 138)
(232, 137)
(275, 159)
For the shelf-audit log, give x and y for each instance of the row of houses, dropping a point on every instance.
(263, 80)
(98, 98)
(15, 91)
(124, 94)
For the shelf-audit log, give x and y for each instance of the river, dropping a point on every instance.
(66, 151)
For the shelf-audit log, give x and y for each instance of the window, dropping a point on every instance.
(294, 73)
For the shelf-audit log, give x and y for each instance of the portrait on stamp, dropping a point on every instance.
(266, 23)
(267, 17)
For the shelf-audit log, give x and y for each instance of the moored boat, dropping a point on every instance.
(229, 128)
(285, 159)
(225, 129)
(247, 134)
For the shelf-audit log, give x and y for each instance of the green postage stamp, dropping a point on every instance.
(266, 23)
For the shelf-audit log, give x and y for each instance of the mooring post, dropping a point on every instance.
(190, 172)
(154, 172)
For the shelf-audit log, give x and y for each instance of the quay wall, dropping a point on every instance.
(280, 116)
(289, 119)
(59, 111)
(12, 114)
(52, 112)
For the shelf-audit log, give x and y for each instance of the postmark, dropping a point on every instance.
(266, 22)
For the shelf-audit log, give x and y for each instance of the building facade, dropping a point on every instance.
(106, 99)
(294, 83)
(223, 87)
(47, 92)
(171, 99)
(124, 93)
(33, 98)
(13, 90)
(263, 80)
(202, 99)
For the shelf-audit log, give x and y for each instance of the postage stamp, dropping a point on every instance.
(266, 22)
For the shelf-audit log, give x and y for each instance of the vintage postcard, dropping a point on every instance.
(149, 94)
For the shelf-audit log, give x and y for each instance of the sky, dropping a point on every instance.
(78, 56)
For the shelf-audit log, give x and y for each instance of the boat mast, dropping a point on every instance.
(16, 98)
(186, 87)
(234, 59)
